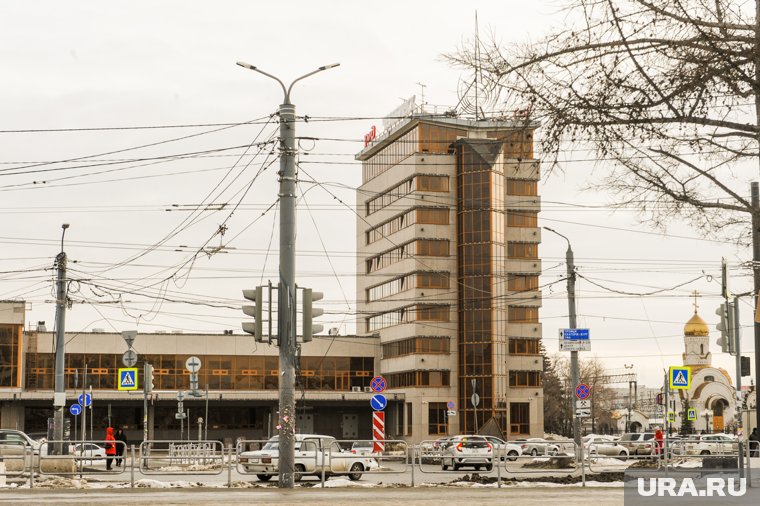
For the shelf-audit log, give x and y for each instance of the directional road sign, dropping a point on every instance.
(127, 379)
(378, 402)
(193, 364)
(451, 405)
(378, 384)
(574, 340)
(680, 377)
(129, 359)
(85, 400)
(75, 409)
(583, 391)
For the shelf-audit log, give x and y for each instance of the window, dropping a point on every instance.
(433, 247)
(393, 153)
(433, 216)
(418, 379)
(10, 338)
(522, 250)
(432, 183)
(522, 219)
(409, 423)
(411, 313)
(425, 215)
(524, 346)
(437, 418)
(417, 344)
(522, 187)
(406, 282)
(522, 283)
(519, 418)
(421, 247)
(521, 314)
(432, 280)
(524, 378)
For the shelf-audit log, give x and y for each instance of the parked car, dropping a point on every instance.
(89, 450)
(309, 459)
(710, 444)
(363, 448)
(504, 449)
(604, 445)
(467, 451)
(536, 446)
(13, 444)
(638, 443)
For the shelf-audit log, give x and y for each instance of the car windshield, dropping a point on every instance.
(362, 444)
(272, 445)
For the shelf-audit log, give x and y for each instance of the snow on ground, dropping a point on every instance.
(345, 482)
(602, 461)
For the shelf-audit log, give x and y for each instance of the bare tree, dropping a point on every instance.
(665, 92)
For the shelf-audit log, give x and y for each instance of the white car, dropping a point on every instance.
(363, 448)
(536, 446)
(503, 449)
(90, 450)
(595, 445)
(470, 451)
(711, 444)
(311, 452)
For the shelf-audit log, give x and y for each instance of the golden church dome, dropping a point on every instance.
(696, 326)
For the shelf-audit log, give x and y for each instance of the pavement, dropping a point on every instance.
(527, 496)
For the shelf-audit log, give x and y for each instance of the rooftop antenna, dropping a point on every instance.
(472, 94)
(422, 93)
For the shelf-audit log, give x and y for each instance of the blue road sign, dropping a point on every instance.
(127, 379)
(451, 405)
(75, 409)
(378, 384)
(378, 402)
(680, 377)
(583, 391)
(575, 334)
(85, 400)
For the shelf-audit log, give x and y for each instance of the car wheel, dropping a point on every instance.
(623, 456)
(489, 467)
(264, 477)
(355, 472)
(705, 452)
(299, 470)
(454, 467)
(553, 452)
(444, 466)
(512, 456)
(534, 452)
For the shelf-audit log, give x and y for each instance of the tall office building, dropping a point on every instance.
(448, 268)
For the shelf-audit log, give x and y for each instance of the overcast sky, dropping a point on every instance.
(80, 65)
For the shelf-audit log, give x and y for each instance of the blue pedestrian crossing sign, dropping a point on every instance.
(692, 414)
(680, 377)
(75, 409)
(128, 378)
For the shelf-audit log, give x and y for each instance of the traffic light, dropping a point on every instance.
(726, 327)
(148, 380)
(256, 326)
(745, 371)
(310, 312)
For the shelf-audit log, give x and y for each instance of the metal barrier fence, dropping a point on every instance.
(323, 458)
(172, 457)
(79, 453)
(17, 458)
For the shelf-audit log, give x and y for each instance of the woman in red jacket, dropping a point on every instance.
(110, 448)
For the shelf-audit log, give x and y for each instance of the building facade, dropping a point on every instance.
(448, 269)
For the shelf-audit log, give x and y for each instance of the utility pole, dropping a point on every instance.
(574, 369)
(756, 276)
(286, 327)
(59, 398)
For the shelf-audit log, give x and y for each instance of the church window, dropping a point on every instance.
(709, 378)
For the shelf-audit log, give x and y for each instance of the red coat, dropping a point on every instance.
(110, 442)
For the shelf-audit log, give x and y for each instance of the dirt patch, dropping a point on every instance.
(562, 480)
(551, 463)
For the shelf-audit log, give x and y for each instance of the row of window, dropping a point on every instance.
(10, 342)
(426, 215)
(403, 147)
(418, 182)
(411, 313)
(522, 219)
(417, 247)
(522, 187)
(417, 379)
(525, 378)
(408, 282)
(524, 346)
(417, 344)
(522, 314)
(522, 282)
(522, 250)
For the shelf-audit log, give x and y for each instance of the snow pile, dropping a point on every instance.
(602, 461)
(345, 483)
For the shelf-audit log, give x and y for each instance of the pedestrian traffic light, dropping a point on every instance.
(310, 312)
(256, 326)
(148, 380)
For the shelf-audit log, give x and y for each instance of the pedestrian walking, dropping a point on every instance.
(658, 441)
(121, 446)
(110, 448)
(754, 443)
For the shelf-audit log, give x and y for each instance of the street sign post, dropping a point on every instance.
(85, 400)
(129, 359)
(127, 379)
(574, 340)
(582, 391)
(75, 409)
(680, 377)
(129, 338)
(451, 405)
(193, 364)
(378, 384)
(378, 402)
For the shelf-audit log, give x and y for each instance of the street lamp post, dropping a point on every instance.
(574, 369)
(59, 397)
(708, 414)
(286, 338)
